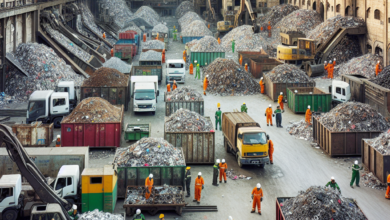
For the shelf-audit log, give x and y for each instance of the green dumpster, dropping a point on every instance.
(135, 132)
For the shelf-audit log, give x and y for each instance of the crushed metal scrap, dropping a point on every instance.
(148, 14)
(118, 10)
(275, 14)
(381, 143)
(288, 73)
(370, 180)
(186, 120)
(160, 28)
(299, 21)
(183, 8)
(160, 195)
(244, 38)
(106, 77)
(301, 130)
(383, 78)
(150, 55)
(131, 26)
(196, 28)
(96, 214)
(118, 64)
(347, 49)
(184, 93)
(206, 44)
(362, 66)
(153, 44)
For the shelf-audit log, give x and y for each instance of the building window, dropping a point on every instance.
(290, 1)
(295, 2)
(368, 12)
(347, 11)
(303, 2)
(331, 8)
(260, 4)
(369, 48)
(377, 14)
(338, 8)
(356, 11)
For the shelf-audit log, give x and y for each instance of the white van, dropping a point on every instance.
(176, 69)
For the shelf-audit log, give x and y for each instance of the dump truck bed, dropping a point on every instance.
(231, 121)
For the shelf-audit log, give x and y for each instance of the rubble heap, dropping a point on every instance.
(160, 28)
(186, 120)
(148, 14)
(96, 214)
(94, 110)
(326, 29)
(207, 44)
(188, 18)
(383, 78)
(354, 116)
(106, 77)
(191, 43)
(160, 195)
(245, 40)
(381, 143)
(227, 78)
(275, 14)
(299, 21)
(153, 44)
(150, 55)
(301, 130)
(363, 66)
(118, 64)
(184, 93)
(149, 152)
(195, 29)
(370, 180)
(347, 49)
(287, 73)
(183, 8)
(45, 68)
(118, 10)
(319, 202)
(131, 26)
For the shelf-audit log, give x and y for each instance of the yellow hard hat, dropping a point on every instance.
(219, 105)
(188, 168)
(161, 216)
(244, 103)
(197, 64)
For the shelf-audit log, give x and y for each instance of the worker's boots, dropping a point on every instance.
(357, 185)
(225, 181)
(188, 195)
(220, 181)
(351, 186)
(198, 202)
(194, 200)
(259, 213)
(253, 211)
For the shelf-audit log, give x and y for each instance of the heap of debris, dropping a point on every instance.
(153, 44)
(207, 44)
(195, 29)
(160, 28)
(299, 21)
(288, 73)
(188, 18)
(370, 180)
(150, 55)
(94, 110)
(354, 116)
(186, 120)
(347, 49)
(362, 66)
(96, 214)
(118, 10)
(183, 8)
(136, 196)
(301, 130)
(383, 78)
(131, 26)
(160, 195)
(328, 28)
(226, 77)
(118, 64)
(45, 70)
(106, 77)
(149, 152)
(184, 93)
(275, 14)
(381, 143)
(148, 14)
(244, 38)
(191, 43)
(319, 202)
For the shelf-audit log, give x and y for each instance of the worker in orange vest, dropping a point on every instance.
(168, 87)
(174, 86)
(205, 84)
(271, 151)
(308, 115)
(240, 60)
(199, 185)
(261, 85)
(387, 195)
(261, 28)
(157, 36)
(112, 52)
(246, 67)
(378, 68)
(104, 35)
(208, 26)
(268, 114)
(331, 68)
(269, 29)
(163, 56)
(58, 141)
(144, 37)
(184, 56)
(222, 170)
(326, 68)
(219, 40)
(148, 185)
(191, 69)
(257, 196)
(280, 101)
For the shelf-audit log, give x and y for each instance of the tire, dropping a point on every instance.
(57, 122)
(10, 214)
(153, 113)
(238, 159)
(262, 165)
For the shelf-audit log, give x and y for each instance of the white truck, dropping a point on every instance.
(11, 198)
(341, 92)
(68, 86)
(176, 69)
(144, 92)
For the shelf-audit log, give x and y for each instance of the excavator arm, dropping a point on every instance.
(247, 4)
(30, 171)
(211, 9)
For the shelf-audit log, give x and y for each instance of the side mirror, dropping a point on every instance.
(239, 136)
(158, 92)
(267, 137)
(330, 89)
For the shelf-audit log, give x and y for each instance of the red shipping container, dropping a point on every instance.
(132, 31)
(126, 35)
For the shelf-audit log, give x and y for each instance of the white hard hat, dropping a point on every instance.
(330, 61)
(261, 78)
(207, 76)
(332, 178)
(295, 91)
(356, 162)
(334, 59)
(150, 175)
(308, 106)
(218, 160)
(230, 218)
(196, 61)
(258, 185)
(58, 136)
(223, 160)
(281, 93)
(74, 207)
(379, 61)
(138, 211)
(200, 174)
(325, 62)
(270, 105)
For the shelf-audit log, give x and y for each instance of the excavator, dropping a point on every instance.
(209, 14)
(52, 206)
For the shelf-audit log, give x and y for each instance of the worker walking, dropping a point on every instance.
(280, 101)
(268, 114)
(233, 45)
(197, 71)
(175, 34)
(257, 196)
(148, 186)
(161, 217)
(168, 87)
(199, 185)
(58, 141)
(378, 68)
(308, 115)
(222, 171)
(215, 172)
(331, 68)
(333, 184)
(278, 113)
(240, 60)
(244, 108)
(104, 35)
(261, 85)
(184, 56)
(191, 69)
(271, 151)
(138, 215)
(174, 86)
(218, 118)
(205, 84)
(144, 38)
(246, 67)
(112, 52)
(219, 40)
(208, 26)
(269, 29)
(355, 174)
(163, 56)
(387, 195)
(188, 181)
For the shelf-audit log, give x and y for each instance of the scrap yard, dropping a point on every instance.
(197, 109)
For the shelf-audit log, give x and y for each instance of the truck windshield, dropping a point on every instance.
(144, 94)
(176, 65)
(255, 138)
(62, 89)
(36, 109)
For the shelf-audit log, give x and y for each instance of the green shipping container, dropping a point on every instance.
(135, 132)
(205, 57)
(300, 97)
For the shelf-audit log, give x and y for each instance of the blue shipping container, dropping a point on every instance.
(188, 39)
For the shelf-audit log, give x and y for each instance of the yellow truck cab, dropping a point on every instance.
(303, 51)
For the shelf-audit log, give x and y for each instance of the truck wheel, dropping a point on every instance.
(153, 113)
(57, 122)
(239, 159)
(10, 214)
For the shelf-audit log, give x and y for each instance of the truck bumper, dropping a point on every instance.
(144, 109)
(254, 161)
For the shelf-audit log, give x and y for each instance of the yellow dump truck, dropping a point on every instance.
(244, 138)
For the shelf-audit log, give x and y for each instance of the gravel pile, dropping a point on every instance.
(299, 21)
(184, 93)
(153, 44)
(300, 130)
(183, 8)
(119, 10)
(226, 77)
(186, 120)
(354, 116)
(320, 202)
(207, 44)
(195, 29)
(188, 18)
(106, 77)
(160, 28)
(381, 143)
(275, 14)
(118, 64)
(94, 110)
(245, 40)
(149, 152)
(148, 14)
(383, 78)
(362, 66)
(150, 55)
(370, 180)
(288, 73)
(347, 49)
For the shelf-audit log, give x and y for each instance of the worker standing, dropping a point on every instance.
(157, 36)
(163, 56)
(278, 113)
(218, 119)
(199, 185)
(387, 195)
(104, 35)
(271, 151)
(58, 141)
(215, 172)
(138, 215)
(174, 34)
(191, 69)
(261, 85)
(261, 28)
(197, 71)
(333, 184)
(246, 67)
(168, 87)
(148, 185)
(308, 115)
(184, 56)
(257, 196)
(268, 114)
(208, 26)
(188, 181)
(269, 29)
(244, 108)
(280, 101)
(73, 212)
(219, 40)
(112, 52)
(161, 217)
(144, 38)
(355, 174)
(326, 68)
(222, 171)
(240, 60)
(378, 68)
(174, 86)
(233, 45)
(205, 84)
